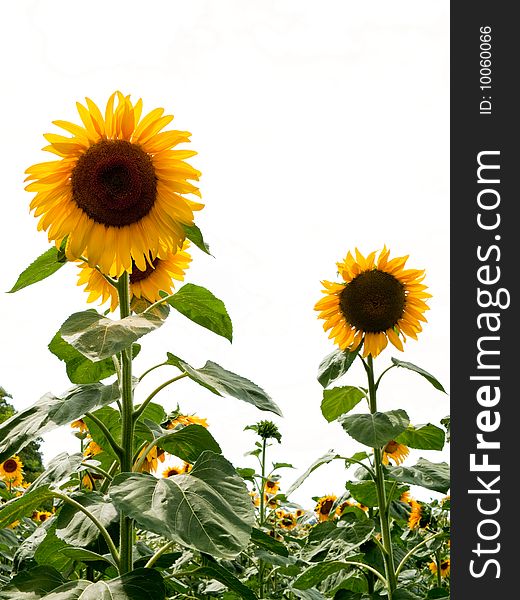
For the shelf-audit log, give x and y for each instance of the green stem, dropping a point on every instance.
(158, 303)
(408, 554)
(261, 565)
(152, 369)
(438, 562)
(381, 376)
(158, 555)
(368, 567)
(381, 492)
(111, 546)
(97, 470)
(106, 432)
(127, 424)
(111, 472)
(141, 408)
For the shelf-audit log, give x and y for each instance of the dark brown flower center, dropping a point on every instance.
(445, 564)
(374, 301)
(137, 275)
(326, 507)
(114, 183)
(43, 517)
(10, 465)
(391, 447)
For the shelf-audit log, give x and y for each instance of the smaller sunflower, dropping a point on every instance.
(158, 276)
(324, 507)
(79, 424)
(271, 487)
(11, 471)
(299, 513)
(377, 302)
(186, 420)
(40, 516)
(287, 521)
(152, 459)
(177, 470)
(419, 517)
(13, 525)
(395, 451)
(271, 502)
(92, 448)
(445, 567)
(255, 498)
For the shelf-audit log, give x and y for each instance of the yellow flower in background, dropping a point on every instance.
(378, 301)
(185, 420)
(158, 276)
(324, 506)
(153, 458)
(117, 191)
(92, 448)
(79, 424)
(414, 520)
(395, 451)
(11, 471)
(40, 516)
(177, 470)
(255, 498)
(445, 567)
(271, 487)
(287, 521)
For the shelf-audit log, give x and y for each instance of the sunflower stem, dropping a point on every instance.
(127, 424)
(139, 411)
(438, 562)
(261, 565)
(380, 487)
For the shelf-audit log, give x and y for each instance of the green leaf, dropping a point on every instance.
(79, 368)
(75, 528)
(50, 412)
(340, 400)
(32, 584)
(98, 337)
(317, 573)
(365, 492)
(139, 584)
(262, 540)
(188, 443)
(19, 507)
(416, 369)
(200, 306)
(422, 437)
(194, 234)
(44, 266)
(208, 509)
(210, 568)
(432, 476)
(48, 549)
(221, 382)
(311, 594)
(86, 556)
(335, 365)
(323, 460)
(59, 469)
(377, 429)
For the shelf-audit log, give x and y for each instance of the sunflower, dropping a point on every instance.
(379, 300)
(255, 498)
(154, 456)
(11, 471)
(177, 470)
(287, 521)
(324, 506)
(79, 424)
(40, 516)
(395, 451)
(445, 567)
(418, 516)
(117, 191)
(158, 276)
(271, 487)
(186, 420)
(92, 448)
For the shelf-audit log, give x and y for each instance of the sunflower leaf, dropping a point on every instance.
(79, 368)
(200, 306)
(194, 234)
(211, 568)
(208, 509)
(406, 365)
(58, 469)
(52, 411)
(335, 365)
(365, 492)
(340, 400)
(422, 437)
(15, 509)
(221, 382)
(44, 266)
(323, 460)
(377, 429)
(33, 583)
(432, 476)
(98, 337)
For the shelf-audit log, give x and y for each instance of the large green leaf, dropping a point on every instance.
(202, 307)
(323, 460)
(75, 528)
(433, 476)
(59, 469)
(50, 412)
(194, 234)
(32, 584)
(262, 540)
(225, 383)
(365, 492)
(208, 509)
(340, 400)
(188, 443)
(211, 568)
(98, 337)
(422, 437)
(79, 368)
(377, 429)
(49, 550)
(317, 573)
(346, 538)
(19, 507)
(44, 266)
(416, 369)
(335, 365)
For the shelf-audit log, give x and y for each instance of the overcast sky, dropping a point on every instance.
(320, 126)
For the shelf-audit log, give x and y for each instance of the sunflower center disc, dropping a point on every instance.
(374, 301)
(137, 275)
(326, 506)
(10, 466)
(114, 183)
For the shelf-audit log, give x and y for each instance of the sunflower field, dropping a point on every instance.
(148, 507)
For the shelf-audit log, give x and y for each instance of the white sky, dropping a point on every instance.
(320, 126)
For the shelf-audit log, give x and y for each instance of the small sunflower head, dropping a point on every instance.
(395, 451)
(444, 565)
(266, 430)
(11, 471)
(324, 507)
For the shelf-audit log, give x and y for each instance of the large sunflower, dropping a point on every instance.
(11, 471)
(116, 193)
(145, 284)
(379, 300)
